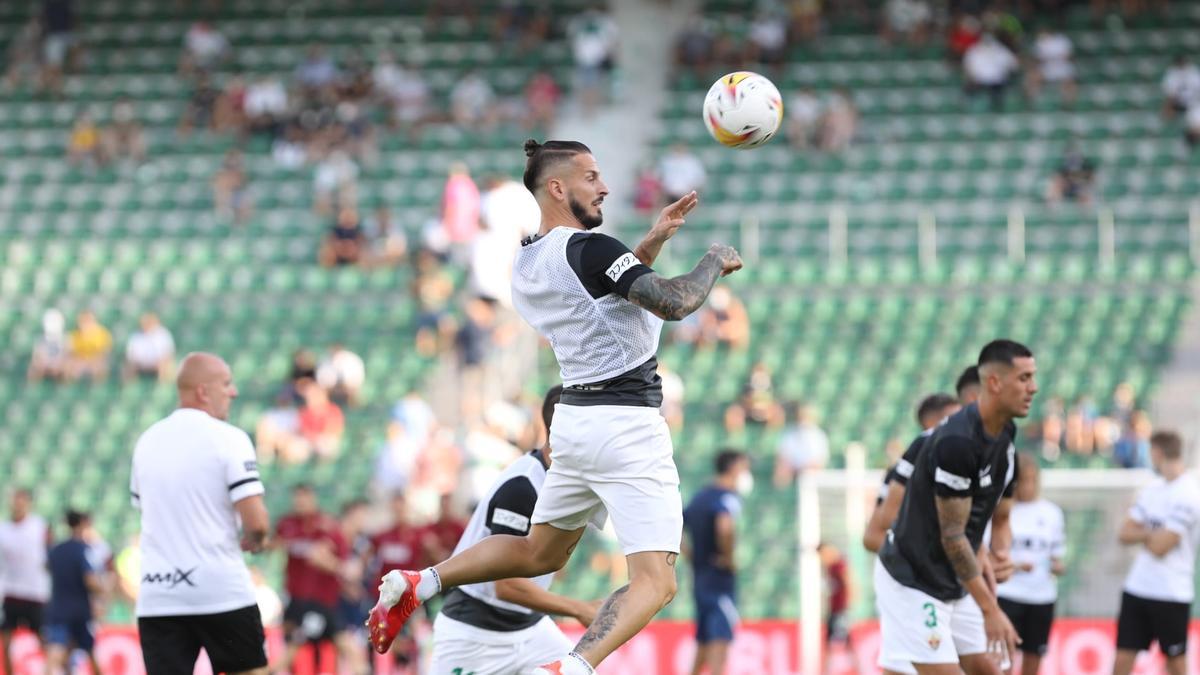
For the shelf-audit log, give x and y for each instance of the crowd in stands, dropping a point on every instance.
(85, 352)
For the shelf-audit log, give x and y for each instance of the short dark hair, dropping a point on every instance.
(543, 155)
(1168, 443)
(76, 518)
(548, 404)
(934, 403)
(968, 378)
(1003, 351)
(726, 459)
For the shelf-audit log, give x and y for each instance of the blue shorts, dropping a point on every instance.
(716, 618)
(80, 634)
(351, 614)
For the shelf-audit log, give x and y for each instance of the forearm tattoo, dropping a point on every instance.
(675, 298)
(952, 518)
(605, 619)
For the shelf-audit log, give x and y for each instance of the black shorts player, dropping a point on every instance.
(234, 641)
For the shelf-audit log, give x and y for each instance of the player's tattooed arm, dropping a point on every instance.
(953, 513)
(675, 298)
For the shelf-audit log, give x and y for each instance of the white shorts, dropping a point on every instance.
(918, 628)
(460, 648)
(613, 461)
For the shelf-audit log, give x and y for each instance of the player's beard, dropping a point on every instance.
(589, 221)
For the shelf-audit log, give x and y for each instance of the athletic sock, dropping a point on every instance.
(574, 664)
(429, 585)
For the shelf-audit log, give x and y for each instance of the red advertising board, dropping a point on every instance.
(1077, 647)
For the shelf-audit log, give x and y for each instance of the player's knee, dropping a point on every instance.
(661, 584)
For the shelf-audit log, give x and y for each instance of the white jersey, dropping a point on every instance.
(189, 470)
(571, 286)
(1176, 507)
(23, 559)
(1037, 538)
(506, 509)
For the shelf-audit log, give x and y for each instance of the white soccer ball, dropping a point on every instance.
(743, 110)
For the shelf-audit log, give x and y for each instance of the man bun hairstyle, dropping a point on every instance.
(1003, 351)
(541, 156)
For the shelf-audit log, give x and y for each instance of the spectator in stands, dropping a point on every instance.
(335, 181)
(506, 217)
(289, 149)
(724, 321)
(22, 56)
(58, 42)
(680, 171)
(150, 351)
(317, 74)
(1132, 449)
(757, 404)
(989, 67)
(767, 37)
(229, 112)
(542, 96)
(346, 243)
(204, 49)
(396, 461)
(432, 288)
(342, 374)
(802, 447)
(84, 146)
(277, 433)
(966, 33)
(805, 19)
(356, 79)
(672, 391)
(473, 102)
(839, 123)
(804, 113)
(124, 137)
(49, 359)
(1180, 85)
(1079, 426)
(266, 105)
(321, 421)
(1050, 429)
(386, 241)
(648, 189)
(593, 36)
(355, 132)
(696, 44)
(404, 91)
(907, 21)
(1052, 54)
(231, 193)
(439, 537)
(200, 110)
(1073, 180)
(303, 368)
(89, 348)
(461, 205)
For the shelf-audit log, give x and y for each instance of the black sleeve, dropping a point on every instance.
(603, 264)
(908, 461)
(511, 507)
(955, 466)
(1011, 488)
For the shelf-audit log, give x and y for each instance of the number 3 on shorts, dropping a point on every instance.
(930, 615)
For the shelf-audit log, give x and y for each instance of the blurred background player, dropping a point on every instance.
(1165, 524)
(837, 628)
(504, 627)
(932, 559)
(399, 547)
(1038, 548)
(74, 585)
(711, 520)
(601, 307)
(315, 551)
(355, 599)
(24, 540)
(967, 386)
(195, 480)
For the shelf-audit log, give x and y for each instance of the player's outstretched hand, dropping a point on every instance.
(731, 261)
(1000, 630)
(672, 217)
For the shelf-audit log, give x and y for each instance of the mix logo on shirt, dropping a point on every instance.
(173, 579)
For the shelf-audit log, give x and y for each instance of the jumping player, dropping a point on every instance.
(601, 308)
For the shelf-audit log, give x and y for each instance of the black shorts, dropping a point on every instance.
(1143, 621)
(837, 630)
(234, 641)
(310, 621)
(1032, 623)
(22, 614)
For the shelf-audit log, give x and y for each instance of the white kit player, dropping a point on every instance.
(503, 627)
(1165, 523)
(601, 308)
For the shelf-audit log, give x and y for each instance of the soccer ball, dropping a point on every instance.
(743, 110)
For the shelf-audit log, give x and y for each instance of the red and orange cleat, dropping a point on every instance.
(384, 623)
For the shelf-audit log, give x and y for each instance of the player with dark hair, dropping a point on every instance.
(504, 626)
(933, 557)
(1165, 524)
(24, 584)
(710, 519)
(601, 307)
(73, 585)
(967, 386)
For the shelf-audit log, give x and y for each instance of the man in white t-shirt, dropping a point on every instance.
(195, 481)
(1165, 523)
(1038, 547)
(1180, 86)
(989, 67)
(1053, 51)
(24, 580)
(150, 351)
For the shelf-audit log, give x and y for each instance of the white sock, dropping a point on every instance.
(574, 664)
(429, 585)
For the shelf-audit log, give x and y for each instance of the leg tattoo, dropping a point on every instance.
(605, 619)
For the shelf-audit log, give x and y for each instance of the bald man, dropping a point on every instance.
(194, 479)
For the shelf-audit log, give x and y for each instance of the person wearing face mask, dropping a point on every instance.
(710, 520)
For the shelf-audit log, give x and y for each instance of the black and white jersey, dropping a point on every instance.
(959, 459)
(507, 509)
(1175, 506)
(1038, 537)
(572, 287)
(902, 470)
